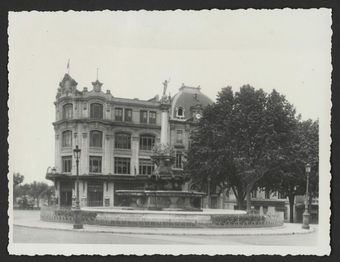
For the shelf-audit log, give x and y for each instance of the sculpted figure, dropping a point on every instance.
(165, 86)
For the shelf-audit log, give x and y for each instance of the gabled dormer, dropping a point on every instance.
(97, 86)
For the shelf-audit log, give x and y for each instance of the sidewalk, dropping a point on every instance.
(33, 221)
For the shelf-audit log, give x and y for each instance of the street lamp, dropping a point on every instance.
(305, 221)
(77, 221)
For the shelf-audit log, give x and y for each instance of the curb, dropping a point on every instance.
(311, 230)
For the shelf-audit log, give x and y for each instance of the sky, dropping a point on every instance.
(287, 50)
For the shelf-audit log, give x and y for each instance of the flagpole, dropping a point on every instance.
(68, 66)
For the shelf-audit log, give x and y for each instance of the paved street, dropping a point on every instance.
(33, 235)
(39, 235)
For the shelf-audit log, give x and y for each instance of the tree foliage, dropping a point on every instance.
(36, 190)
(239, 138)
(288, 175)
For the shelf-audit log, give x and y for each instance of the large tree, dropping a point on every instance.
(238, 138)
(288, 174)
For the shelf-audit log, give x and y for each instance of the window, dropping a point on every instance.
(128, 115)
(96, 111)
(96, 138)
(122, 165)
(146, 142)
(68, 111)
(119, 114)
(180, 112)
(179, 136)
(95, 164)
(179, 160)
(123, 141)
(67, 164)
(143, 116)
(67, 139)
(146, 167)
(152, 117)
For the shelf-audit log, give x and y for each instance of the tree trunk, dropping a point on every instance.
(291, 208)
(248, 201)
(240, 203)
(239, 198)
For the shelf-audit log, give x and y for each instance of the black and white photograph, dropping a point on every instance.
(170, 132)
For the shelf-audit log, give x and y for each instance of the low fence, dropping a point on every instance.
(54, 214)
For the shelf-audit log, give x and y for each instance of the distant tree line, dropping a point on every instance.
(25, 195)
(252, 139)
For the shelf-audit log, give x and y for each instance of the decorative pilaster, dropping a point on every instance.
(84, 157)
(107, 154)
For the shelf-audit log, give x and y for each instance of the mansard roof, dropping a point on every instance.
(188, 98)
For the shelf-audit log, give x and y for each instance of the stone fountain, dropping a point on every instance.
(162, 192)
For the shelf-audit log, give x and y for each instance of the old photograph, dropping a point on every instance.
(170, 132)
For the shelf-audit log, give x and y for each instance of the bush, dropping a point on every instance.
(246, 219)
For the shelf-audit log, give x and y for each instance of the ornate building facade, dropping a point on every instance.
(116, 137)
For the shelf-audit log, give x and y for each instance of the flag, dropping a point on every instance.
(68, 66)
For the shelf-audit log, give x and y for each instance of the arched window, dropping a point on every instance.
(67, 138)
(96, 138)
(67, 111)
(96, 111)
(146, 142)
(123, 141)
(180, 112)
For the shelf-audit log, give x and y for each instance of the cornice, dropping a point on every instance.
(113, 101)
(110, 123)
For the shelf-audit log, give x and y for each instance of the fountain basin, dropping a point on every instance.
(161, 199)
(115, 216)
(154, 218)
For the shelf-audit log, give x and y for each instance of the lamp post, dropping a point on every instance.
(77, 220)
(305, 221)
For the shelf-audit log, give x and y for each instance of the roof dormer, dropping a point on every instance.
(97, 86)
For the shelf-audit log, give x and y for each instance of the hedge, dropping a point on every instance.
(244, 219)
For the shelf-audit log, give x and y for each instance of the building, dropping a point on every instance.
(116, 137)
